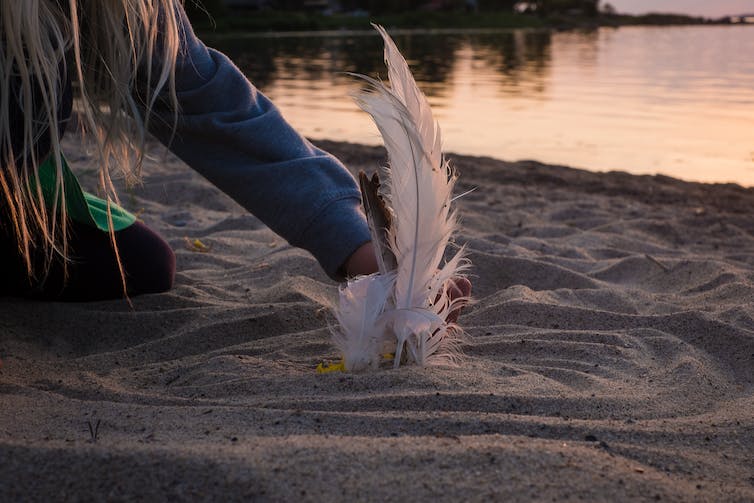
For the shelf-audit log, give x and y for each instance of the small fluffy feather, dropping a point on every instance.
(361, 331)
(417, 190)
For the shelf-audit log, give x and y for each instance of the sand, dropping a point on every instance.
(610, 358)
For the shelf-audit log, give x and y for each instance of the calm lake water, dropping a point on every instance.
(671, 100)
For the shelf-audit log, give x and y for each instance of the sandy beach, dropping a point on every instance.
(610, 357)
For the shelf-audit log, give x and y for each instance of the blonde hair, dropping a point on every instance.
(120, 56)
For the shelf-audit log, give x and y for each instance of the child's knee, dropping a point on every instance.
(164, 268)
(148, 260)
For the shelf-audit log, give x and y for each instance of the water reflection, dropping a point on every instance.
(518, 56)
(678, 100)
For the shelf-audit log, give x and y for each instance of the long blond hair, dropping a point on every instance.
(109, 49)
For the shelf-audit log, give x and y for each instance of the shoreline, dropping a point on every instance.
(726, 196)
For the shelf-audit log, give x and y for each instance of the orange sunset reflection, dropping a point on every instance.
(645, 100)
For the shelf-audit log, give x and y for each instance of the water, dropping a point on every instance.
(672, 100)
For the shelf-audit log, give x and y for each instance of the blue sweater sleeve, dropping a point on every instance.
(236, 138)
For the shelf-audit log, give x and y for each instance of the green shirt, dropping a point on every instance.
(81, 206)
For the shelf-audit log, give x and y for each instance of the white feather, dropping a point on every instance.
(361, 333)
(418, 189)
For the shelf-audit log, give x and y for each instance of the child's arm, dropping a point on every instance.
(236, 138)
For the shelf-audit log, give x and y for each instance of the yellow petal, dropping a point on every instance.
(331, 367)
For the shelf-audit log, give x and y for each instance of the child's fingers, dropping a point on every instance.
(461, 287)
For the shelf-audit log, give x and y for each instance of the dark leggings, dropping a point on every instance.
(93, 274)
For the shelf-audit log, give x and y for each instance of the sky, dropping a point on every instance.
(707, 8)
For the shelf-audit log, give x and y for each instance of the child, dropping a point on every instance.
(137, 68)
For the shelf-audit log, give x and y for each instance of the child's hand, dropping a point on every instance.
(362, 262)
(461, 288)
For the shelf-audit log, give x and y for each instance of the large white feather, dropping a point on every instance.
(418, 189)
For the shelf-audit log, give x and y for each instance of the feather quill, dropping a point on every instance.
(417, 227)
(379, 218)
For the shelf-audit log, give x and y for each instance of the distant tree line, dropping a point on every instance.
(588, 7)
(198, 9)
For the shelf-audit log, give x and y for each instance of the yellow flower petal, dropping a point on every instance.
(331, 367)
